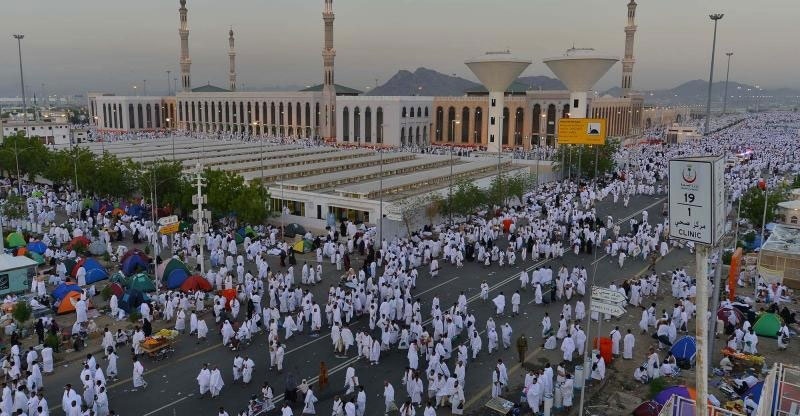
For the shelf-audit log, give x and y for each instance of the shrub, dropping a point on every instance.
(22, 312)
(51, 340)
(657, 385)
(135, 316)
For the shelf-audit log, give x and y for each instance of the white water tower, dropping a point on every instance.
(579, 70)
(496, 71)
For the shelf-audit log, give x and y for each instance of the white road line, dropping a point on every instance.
(169, 404)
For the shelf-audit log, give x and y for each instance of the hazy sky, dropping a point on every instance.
(93, 45)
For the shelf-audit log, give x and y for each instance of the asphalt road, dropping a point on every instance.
(173, 390)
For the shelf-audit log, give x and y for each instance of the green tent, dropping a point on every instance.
(15, 239)
(768, 325)
(38, 258)
(238, 237)
(165, 269)
(141, 282)
(303, 246)
(119, 277)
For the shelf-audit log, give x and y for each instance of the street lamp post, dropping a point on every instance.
(727, 77)
(450, 187)
(19, 38)
(380, 194)
(715, 17)
(169, 83)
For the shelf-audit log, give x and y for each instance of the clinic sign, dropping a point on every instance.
(696, 199)
(582, 131)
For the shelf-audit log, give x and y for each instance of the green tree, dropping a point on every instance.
(753, 204)
(115, 177)
(228, 195)
(435, 205)
(518, 185)
(32, 155)
(13, 207)
(567, 158)
(467, 198)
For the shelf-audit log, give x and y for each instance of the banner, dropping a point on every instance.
(582, 131)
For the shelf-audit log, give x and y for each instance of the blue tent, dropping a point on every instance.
(132, 299)
(135, 210)
(37, 247)
(685, 350)
(133, 264)
(94, 271)
(176, 278)
(63, 289)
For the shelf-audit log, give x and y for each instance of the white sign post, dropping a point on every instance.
(602, 294)
(612, 309)
(697, 214)
(696, 199)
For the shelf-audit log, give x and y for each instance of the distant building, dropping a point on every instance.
(47, 132)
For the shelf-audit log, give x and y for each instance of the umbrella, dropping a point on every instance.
(97, 248)
(682, 391)
(196, 283)
(37, 247)
(229, 295)
(15, 239)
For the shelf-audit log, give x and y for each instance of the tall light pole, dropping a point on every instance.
(380, 193)
(19, 38)
(450, 187)
(715, 17)
(727, 77)
(169, 83)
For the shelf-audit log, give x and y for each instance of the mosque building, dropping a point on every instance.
(343, 115)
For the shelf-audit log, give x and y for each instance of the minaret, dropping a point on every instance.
(186, 63)
(328, 122)
(628, 61)
(232, 58)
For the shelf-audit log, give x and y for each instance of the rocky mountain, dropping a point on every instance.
(424, 81)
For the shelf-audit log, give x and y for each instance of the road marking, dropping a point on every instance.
(168, 405)
(627, 218)
(477, 396)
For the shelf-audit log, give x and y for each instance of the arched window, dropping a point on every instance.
(249, 116)
(403, 113)
(316, 122)
(505, 120)
(419, 112)
(272, 117)
(141, 116)
(402, 136)
(424, 135)
(678, 118)
(368, 125)
(536, 123)
(410, 114)
(439, 124)
(648, 123)
(551, 124)
(451, 133)
(379, 124)
(308, 120)
(465, 125)
(346, 122)
(299, 117)
(426, 111)
(357, 124)
(478, 125)
(289, 114)
(416, 138)
(280, 118)
(519, 122)
(565, 111)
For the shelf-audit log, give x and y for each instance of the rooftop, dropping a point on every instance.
(340, 89)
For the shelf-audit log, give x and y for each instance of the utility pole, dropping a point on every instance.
(19, 38)
(716, 18)
(203, 217)
(727, 77)
(169, 83)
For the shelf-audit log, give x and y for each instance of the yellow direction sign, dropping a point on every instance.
(169, 228)
(582, 131)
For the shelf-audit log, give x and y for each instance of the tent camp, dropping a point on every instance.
(79, 241)
(141, 282)
(132, 299)
(768, 325)
(196, 283)
(63, 289)
(15, 239)
(67, 304)
(303, 246)
(116, 289)
(37, 247)
(173, 273)
(94, 271)
(134, 261)
(38, 258)
(685, 351)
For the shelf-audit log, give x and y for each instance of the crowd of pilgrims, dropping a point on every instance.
(439, 340)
